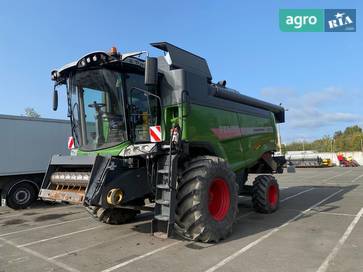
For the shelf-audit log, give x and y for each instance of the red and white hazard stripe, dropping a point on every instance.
(70, 143)
(155, 134)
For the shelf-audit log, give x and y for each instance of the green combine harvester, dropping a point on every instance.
(158, 130)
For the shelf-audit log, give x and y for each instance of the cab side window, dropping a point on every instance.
(143, 108)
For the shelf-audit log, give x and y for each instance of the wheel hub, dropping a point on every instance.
(218, 199)
(22, 196)
(272, 195)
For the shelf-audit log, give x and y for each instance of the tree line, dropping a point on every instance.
(351, 139)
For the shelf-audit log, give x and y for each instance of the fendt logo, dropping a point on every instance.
(340, 20)
(317, 20)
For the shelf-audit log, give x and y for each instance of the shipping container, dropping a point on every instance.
(26, 146)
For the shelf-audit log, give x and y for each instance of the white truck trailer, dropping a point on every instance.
(26, 146)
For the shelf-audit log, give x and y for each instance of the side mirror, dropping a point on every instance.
(151, 71)
(55, 100)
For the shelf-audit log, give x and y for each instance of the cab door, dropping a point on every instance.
(143, 108)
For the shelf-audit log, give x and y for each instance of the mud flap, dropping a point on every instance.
(3, 199)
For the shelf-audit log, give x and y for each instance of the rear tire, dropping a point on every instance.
(265, 194)
(113, 216)
(207, 200)
(21, 196)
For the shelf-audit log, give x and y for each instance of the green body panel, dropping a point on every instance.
(112, 151)
(241, 139)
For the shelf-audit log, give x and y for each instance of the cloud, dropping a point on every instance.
(316, 113)
(322, 97)
(307, 99)
(307, 118)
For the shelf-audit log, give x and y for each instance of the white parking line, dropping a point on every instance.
(295, 195)
(303, 174)
(9, 216)
(306, 177)
(282, 200)
(170, 245)
(44, 226)
(42, 209)
(254, 243)
(54, 210)
(333, 213)
(140, 257)
(244, 215)
(38, 255)
(91, 246)
(59, 236)
(328, 213)
(334, 252)
(339, 175)
(354, 180)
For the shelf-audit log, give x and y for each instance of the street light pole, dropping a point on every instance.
(332, 145)
(279, 138)
(303, 144)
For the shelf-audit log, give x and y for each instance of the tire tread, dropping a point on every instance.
(191, 220)
(259, 194)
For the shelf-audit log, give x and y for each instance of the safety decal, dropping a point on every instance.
(155, 134)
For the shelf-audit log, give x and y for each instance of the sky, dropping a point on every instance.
(316, 76)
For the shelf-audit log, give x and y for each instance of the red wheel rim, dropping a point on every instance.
(218, 199)
(273, 195)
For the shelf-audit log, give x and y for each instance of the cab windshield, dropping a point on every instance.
(97, 108)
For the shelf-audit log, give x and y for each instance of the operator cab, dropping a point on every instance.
(109, 100)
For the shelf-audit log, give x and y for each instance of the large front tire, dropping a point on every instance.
(207, 200)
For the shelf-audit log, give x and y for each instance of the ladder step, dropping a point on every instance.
(164, 211)
(163, 186)
(161, 217)
(163, 171)
(162, 202)
(165, 146)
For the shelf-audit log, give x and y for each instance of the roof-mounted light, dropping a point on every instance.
(95, 58)
(113, 51)
(54, 75)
